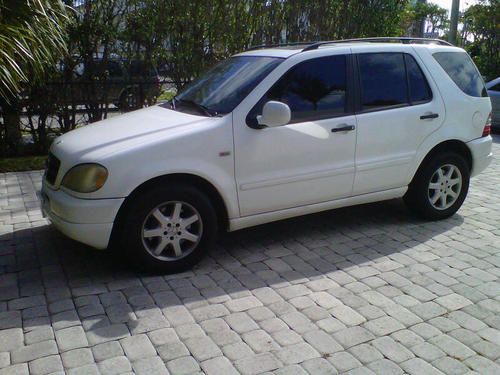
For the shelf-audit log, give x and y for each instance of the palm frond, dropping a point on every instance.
(32, 39)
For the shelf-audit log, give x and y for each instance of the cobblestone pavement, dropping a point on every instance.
(362, 290)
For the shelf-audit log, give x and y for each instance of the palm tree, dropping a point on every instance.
(31, 41)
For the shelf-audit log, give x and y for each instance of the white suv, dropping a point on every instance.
(273, 133)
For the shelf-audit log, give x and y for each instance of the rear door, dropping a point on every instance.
(398, 109)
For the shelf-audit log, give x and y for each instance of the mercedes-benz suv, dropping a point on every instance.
(272, 133)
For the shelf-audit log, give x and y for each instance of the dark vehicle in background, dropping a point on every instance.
(493, 88)
(126, 84)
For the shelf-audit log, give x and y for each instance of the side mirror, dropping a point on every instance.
(275, 114)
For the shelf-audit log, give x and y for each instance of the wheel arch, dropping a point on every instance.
(453, 145)
(179, 178)
(124, 90)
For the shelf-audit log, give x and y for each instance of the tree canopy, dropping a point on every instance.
(47, 41)
(480, 36)
(31, 40)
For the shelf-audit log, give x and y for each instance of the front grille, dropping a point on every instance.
(52, 169)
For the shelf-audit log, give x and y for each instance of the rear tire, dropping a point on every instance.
(440, 186)
(167, 229)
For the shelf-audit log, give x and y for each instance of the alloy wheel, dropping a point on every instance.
(172, 230)
(445, 187)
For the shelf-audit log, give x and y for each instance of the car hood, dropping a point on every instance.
(101, 139)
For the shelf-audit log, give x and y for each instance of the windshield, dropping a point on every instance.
(224, 86)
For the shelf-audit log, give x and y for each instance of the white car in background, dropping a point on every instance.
(493, 88)
(273, 133)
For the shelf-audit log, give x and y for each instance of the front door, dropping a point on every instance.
(309, 160)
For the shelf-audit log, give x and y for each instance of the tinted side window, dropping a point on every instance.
(419, 88)
(313, 90)
(495, 88)
(383, 80)
(461, 69)
(138, 68)
(114, 69)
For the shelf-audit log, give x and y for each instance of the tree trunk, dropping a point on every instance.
(11, 123)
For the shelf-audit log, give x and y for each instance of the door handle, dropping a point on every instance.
(429, 116)
(343, 128)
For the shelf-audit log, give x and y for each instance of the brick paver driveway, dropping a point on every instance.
(362, 290)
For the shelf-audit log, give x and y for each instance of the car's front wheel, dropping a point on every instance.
(440, 186)
(130, 100)
(168, 229)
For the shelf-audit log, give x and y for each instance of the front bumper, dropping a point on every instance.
(89, 221)
(481, 154)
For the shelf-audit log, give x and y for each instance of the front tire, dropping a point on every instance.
(440, 186)
(167, 229)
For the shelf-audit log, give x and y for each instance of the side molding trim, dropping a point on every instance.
(249, 221)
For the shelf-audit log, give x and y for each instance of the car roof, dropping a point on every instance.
(271, 52)
(287, 51)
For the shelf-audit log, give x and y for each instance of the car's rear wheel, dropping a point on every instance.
(168, 229)
(440, 186)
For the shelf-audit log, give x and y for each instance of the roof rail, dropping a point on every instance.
(315, 45)
(404, 40)
(260, 46)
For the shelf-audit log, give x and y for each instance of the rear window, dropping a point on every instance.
(461, 69)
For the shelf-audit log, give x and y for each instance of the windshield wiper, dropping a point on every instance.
(200, 107)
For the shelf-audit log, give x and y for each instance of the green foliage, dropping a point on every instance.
(31, 39)
(25, 163)
(93, 31)
(480, 36)
(166, 96)
(434, 17)
(189, 36)
(183, 38)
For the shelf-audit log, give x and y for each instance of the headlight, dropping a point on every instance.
(85, 178)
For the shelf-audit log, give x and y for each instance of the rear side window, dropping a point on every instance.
(418, 87)
(383, 80)
(391, 79)
(461, 69)
(114, 69)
